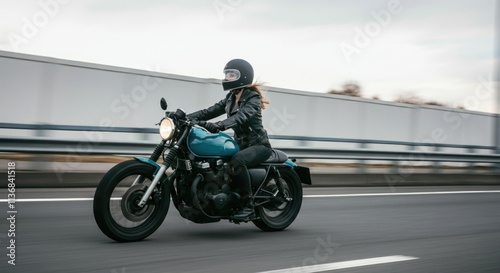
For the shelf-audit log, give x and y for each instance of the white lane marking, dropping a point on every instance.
(305, 196)
(54, 199)
(344, 265)
(48, 199)
(396, 194)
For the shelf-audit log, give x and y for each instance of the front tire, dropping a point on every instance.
(279, 214)
(115, 199)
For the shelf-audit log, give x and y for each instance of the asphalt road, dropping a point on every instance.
(427, 232)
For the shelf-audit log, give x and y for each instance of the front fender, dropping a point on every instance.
(150, 162)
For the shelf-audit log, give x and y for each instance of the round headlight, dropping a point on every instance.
(167, 128)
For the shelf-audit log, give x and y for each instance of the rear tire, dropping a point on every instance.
(279, 214)
(115, 211)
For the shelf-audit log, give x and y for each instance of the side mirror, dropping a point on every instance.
(163, 104)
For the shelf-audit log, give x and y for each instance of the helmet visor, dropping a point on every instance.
(231, 75)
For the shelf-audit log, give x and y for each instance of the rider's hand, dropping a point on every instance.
(179, 114)
(211, 127)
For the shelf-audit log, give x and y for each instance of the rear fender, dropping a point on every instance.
(303, 172)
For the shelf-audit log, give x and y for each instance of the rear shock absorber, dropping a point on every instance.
(279, 184)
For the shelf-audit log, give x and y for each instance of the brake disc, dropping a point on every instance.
(130, 201)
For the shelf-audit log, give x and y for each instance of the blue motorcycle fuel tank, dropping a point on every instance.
(205, 144)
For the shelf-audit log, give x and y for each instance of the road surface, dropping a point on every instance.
(406, 229)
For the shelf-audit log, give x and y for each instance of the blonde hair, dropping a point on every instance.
(263, 101)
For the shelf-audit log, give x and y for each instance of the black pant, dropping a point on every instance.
(251, 156)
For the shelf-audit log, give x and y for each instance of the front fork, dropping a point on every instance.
(172, 154)
(166, 164)
(152, 159)
(157, 178)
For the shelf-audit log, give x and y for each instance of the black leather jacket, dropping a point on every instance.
(245, 119)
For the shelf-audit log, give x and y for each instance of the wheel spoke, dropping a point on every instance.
(263, 190)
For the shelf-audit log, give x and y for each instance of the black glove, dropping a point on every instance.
(179, 114)
(211, 127)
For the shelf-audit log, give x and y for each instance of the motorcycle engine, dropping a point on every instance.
(216, 195)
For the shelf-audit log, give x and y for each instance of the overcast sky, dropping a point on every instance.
(438, 50)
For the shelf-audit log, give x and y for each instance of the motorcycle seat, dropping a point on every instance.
(277, 156)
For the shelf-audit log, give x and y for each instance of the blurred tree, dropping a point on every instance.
(354, 89)
(414, 99)
(435, 103)
(409, 99)
(348, 89)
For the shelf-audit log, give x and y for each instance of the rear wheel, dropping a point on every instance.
(115, 202)
(279, 213)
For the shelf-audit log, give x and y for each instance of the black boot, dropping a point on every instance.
(247, 210)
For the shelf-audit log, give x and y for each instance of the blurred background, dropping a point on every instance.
(356, 82)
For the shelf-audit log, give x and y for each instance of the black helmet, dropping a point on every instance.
(237, 73)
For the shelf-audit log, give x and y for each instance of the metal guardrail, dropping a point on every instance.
(45, 145)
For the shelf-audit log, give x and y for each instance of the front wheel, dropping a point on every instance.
(115, 202)
(279, 213)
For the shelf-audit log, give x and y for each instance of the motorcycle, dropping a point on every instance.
(133, 198)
